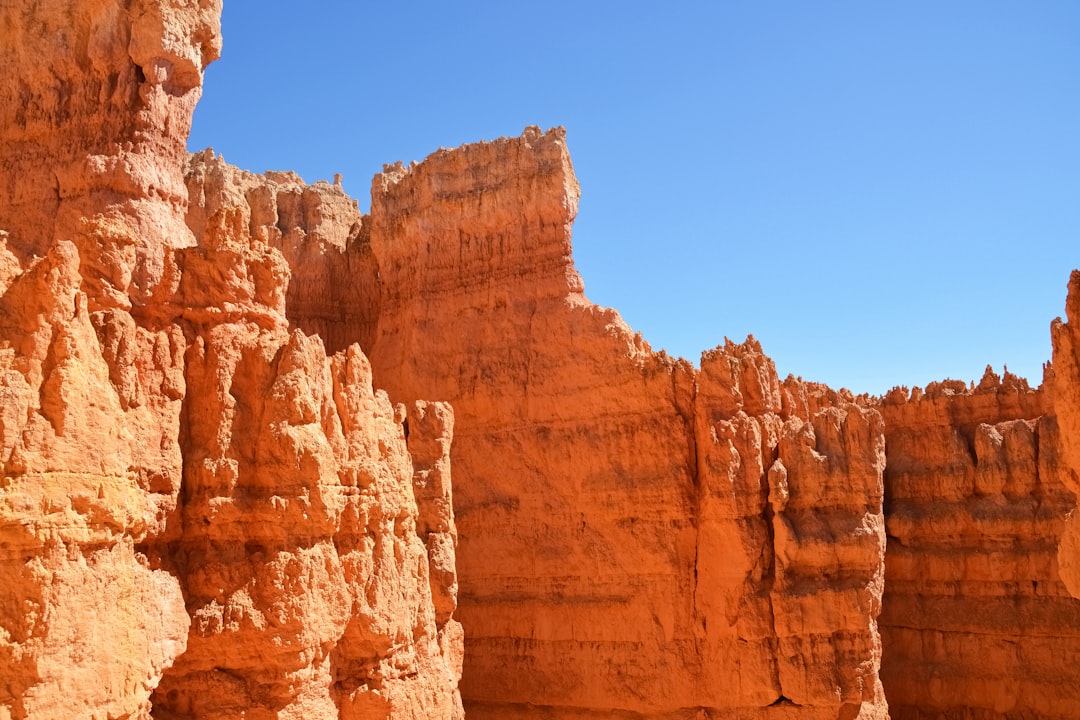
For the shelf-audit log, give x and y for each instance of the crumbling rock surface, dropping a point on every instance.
(92, 470)
(613, 476)
(637, 537)
(203, 514)
(1066, 340)
(95, 103)
(790, 542)
(95, 110)
(333, 291)
(976, 621)
(207, 510)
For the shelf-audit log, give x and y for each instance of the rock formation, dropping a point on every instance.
(976, 621)
(651, 539)
(95, 110)
(333, 290)
(208, 510)
(202, 514)
(1066, 338)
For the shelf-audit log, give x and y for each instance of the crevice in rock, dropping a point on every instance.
(768, 579)
(1036, 442)
(690, 420)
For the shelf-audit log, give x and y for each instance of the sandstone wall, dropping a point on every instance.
(976, 621)
(202, 512)
(657, 541)
(636, 538)
(208, 511)
(304, 572)
(1066, 340)
(95, 110)
(333, 291)
(95, 102)
(790, 543)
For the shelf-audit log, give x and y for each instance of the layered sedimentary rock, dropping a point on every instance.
(1066, 340)
(208, 511)
(95, 110)
(333, 291)
(636, 537)
(306, 578)
(92, 468)
(789, 545)
(95, 103)
(977, 622)
(202, 514)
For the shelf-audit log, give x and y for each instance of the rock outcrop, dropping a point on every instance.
(95, 110)
(790, 543)
(202, 512)
(1066, 340)
(637, 537)
(208, 510)
(976, 621)
(333, 290)
(95, 104)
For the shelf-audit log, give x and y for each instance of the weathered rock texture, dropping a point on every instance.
(207, 511)
(976, 621)
(95, 103)
(637, 537)
(1066, 339)
(333, 291)
(202, 513)
(307, 576)
(641, 537)
(95, 109)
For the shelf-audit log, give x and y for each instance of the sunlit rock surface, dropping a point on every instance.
(203, 513)
(266, 457)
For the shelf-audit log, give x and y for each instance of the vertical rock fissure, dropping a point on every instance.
(1036, 440)
(690, 420)
(769, 581)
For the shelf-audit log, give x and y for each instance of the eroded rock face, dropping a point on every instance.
(1066, 341)
(92, 469)
(208, 511)
(95, 109)
(333, 291)
(636, 536)
(790, 542)
(976, 619)
(202, 512)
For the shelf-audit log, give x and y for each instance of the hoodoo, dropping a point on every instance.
(266, 457)
(203, 514)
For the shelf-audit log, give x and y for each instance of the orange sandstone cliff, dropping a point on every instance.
(976, 620)
(203, 513)
(209, 509)
(637, 536)
(610, 565)
(1066, 338)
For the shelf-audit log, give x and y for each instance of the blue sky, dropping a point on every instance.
(882, 193)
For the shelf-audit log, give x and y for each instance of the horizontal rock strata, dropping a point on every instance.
(208, 510)
(203, 513)
(636, 536)
(977, 622)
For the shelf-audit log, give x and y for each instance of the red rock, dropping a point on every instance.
(333, 291)
(202, 514)
(976, 621)
(207, 510)
(1066, 374)
(619, 548)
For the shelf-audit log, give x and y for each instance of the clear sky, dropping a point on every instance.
(882, 193)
